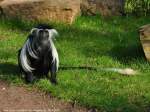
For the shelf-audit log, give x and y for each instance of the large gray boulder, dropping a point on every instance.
(41, 10)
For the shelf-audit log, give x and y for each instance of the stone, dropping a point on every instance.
(104, 7)
(109, 7)
(145, 39)
(41, 10)
(88, 7)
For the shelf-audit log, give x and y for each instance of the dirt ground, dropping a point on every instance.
(21, 99)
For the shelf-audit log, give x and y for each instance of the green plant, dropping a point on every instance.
(138, 7)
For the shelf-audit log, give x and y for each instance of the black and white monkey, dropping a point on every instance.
(38, 56)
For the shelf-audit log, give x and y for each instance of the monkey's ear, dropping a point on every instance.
(33, 31)
(53, 33)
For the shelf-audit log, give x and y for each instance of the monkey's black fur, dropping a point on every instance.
(38, 56)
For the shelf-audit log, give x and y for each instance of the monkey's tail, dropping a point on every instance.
(125, 71)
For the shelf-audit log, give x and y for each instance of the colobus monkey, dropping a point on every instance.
(38, 56)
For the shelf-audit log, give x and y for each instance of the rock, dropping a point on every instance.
(88, 7)
(1, 1)
(41, 10)
(109, 7)
(145, 39)
(104, 7)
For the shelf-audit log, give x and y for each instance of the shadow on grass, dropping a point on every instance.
(118, 45)
(8, 69)
(21, 25)
(15, 23)
(10, 72)
(127, 54)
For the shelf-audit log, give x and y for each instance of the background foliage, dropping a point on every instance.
(138, 7)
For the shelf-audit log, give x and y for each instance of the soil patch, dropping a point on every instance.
(20, 99)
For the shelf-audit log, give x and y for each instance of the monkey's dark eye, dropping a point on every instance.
(46, 33)
(41, 33)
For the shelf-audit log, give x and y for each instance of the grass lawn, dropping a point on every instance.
(90, 41)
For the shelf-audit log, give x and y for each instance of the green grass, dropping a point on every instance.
(90, 41)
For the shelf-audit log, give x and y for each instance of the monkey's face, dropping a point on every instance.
(43, 37)
(40, 36)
